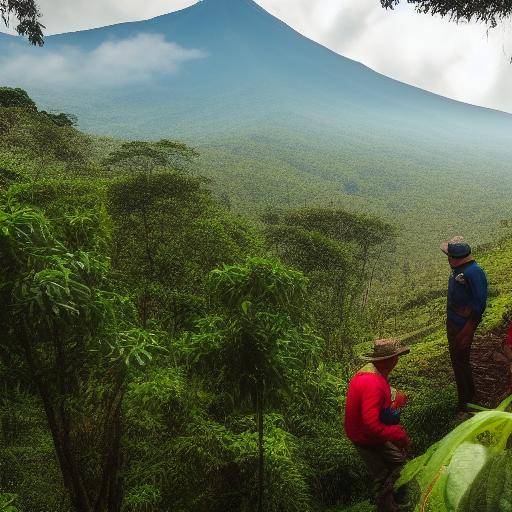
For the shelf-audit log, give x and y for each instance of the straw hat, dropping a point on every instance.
(386, 349)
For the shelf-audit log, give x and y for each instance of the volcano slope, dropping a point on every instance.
(280, 120)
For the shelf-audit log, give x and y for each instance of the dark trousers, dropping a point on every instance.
(384, 463)
(461, 366)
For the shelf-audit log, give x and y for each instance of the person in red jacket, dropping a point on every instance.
(369, 405)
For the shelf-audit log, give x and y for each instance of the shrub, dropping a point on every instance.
(17, 98)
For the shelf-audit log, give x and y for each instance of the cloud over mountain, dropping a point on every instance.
(113, 63)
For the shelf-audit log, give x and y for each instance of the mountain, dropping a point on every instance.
(279, 118)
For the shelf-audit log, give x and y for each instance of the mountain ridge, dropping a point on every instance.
(281, 119)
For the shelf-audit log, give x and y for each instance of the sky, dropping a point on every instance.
(465, 62)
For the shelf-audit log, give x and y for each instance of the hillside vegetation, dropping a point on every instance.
(160, 351)
(280, 120)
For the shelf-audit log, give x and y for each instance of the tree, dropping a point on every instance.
(149, 212)
(77, 342)
(339, 251)
(145, 157)
(50, 139)
(258, 336)
(487, 11)
(27, 14)
(16, 98)
(135, 202)
(168, 232)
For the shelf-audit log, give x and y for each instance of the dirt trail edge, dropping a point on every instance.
(491, 370)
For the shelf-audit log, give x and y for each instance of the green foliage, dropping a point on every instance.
(72, 335)
(339, 251)
(28, 465)
(7, 502)
(253, 342)
(27, 14)
(168, 234)
(192, 333)
(76, 210)
(17, 98)
(487, 11)
(490, 489)
(36, 145)
(142, 156)
(447, 470)
(364, 506)
(61, 119)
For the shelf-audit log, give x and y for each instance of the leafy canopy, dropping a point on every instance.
(143, 156)
(487, 11)
(27, 14)
(255, 339)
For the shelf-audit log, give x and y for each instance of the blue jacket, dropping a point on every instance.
(467, 293)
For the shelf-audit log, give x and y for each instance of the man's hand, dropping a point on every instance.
(465, 336)
(400, 400)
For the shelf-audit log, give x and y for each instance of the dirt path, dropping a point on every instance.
(492, 376)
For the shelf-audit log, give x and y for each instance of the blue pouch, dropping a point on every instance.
(390, 416)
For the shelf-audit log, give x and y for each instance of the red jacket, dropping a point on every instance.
(369, 393)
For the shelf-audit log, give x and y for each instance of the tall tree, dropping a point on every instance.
(27, 15)
(143, 157)
(144, 204)
(249, 348)
(339, 251)
(76, 341)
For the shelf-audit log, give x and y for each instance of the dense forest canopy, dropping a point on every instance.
(155, 339)
(161, 352)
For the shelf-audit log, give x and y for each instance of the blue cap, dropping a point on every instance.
(456, 248)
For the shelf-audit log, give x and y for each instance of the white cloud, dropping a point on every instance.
(112, 64)
(462, 61)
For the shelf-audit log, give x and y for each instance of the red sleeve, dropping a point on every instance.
(509, 337)
(372, 402)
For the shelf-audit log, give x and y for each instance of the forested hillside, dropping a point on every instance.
(281, 120)
(160, 351)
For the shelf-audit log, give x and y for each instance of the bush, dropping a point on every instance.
(337, 473)
(17, 98)
(430, 415)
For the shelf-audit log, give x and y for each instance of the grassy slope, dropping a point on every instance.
(426, 373)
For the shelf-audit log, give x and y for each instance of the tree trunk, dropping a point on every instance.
(62, 443)
(259, 415)
(110, 494)
(372, 275)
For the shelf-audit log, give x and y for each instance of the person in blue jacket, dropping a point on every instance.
(467, 299)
